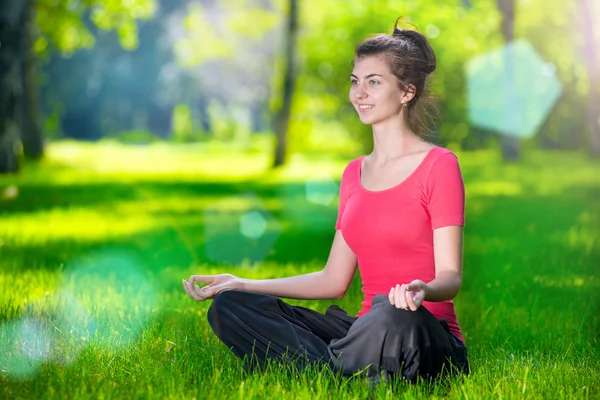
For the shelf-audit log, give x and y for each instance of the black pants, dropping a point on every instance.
(410, 344)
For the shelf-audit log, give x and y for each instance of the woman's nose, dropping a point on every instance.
(360, 94)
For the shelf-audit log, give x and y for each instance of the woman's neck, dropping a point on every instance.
(393, 139)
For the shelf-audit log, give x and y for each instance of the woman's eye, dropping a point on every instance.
(375, 82)
(354, 81)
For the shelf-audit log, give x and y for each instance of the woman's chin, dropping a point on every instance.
(365, 119)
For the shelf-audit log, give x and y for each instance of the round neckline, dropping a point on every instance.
(417, 168)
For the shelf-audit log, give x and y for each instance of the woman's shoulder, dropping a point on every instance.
(440, 151)
(350, 176)
(440, 157)
(353, 167)
(443, 169)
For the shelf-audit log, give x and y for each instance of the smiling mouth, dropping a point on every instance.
(365, 107)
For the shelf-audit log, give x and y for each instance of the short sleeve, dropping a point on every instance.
(347, 186)
(445, 191)
(343, 195)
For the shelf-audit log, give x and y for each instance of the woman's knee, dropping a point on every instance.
(225, 298)
(388, 316)
(231, 302)
(224, 301)
(223, 307)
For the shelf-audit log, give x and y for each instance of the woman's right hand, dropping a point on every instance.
(217, 284)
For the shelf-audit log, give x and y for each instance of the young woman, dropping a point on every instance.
(400, 218)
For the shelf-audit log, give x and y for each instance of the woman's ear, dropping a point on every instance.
(409, 94)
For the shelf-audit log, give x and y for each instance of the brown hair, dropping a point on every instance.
(412, 60)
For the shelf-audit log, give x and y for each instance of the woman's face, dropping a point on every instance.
(374, 92)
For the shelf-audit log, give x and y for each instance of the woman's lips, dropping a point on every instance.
(365, 107)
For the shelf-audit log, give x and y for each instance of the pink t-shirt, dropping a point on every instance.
(391, 231)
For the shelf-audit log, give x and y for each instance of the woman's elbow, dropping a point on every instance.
(456, 287)
(336, 293)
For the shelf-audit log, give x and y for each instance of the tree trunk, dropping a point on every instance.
(511, 145)
(257, 122)
(13, 14)
(282, 117)
(31, 133)
(591, 61)
(160, 120)
(202, 107)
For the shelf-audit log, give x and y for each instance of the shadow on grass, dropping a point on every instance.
(300, 231)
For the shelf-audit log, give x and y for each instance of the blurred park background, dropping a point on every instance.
(142, 141)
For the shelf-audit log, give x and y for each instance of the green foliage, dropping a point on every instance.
(135, 137)
(228, 124)
(52, 126)
(203, 41)
(182, 123)
(61, 22)
(253, 21)
(329, 30)
(528, 306)
(207, 39)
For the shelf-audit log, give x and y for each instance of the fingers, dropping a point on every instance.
(411, 301)
(414, 285)
(186, 287)
(194, 291)
(189, 289)
(200, 293)
(400, 297)
(201, 278)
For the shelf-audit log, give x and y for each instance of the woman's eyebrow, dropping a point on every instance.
(366, 77)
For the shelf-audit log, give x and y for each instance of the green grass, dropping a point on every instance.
(95, 243)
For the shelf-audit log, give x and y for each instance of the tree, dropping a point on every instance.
(13, 17)
(282, 116)
(31, 133)
(591, 62)
(225, 67)
(61, 26)
(511, 145)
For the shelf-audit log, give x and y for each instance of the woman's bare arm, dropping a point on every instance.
(329, 283)
(448, 254)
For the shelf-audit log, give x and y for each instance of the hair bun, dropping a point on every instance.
(417, 38)
(421, 42)
(399, 31)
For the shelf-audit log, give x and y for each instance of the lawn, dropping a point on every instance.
(95, 240)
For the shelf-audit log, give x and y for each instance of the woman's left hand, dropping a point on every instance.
(408, 296)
